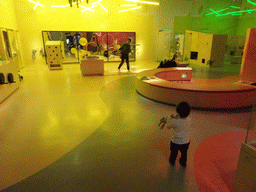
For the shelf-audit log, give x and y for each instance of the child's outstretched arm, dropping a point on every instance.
(162, 122)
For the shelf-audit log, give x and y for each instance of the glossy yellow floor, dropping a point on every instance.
(68, 132)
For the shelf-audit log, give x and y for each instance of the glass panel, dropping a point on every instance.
(8, 52)
(69, 42)
(96, 44)
(14, 45)
(78, 45)
(115, 41)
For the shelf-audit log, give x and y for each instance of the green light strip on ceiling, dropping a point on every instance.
(229, 13)
(234, 7)
(251, 2)
(214, 11)
(233, 12)
(217, 12)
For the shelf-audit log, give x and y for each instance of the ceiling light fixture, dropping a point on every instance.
(233, 12)
(237, 14)
(217, 12)
(103, 7)
(36, 4)
(131, 5)
(129, 9)
(249, 1)
(96, 2)
(146, 2)
(230, 13)
(60, 6)
(234, 7)
(63, 6)
(88, 8)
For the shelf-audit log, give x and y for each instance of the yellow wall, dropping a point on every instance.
(32, 22)
(7, 15)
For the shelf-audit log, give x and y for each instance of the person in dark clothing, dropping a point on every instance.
(169, 63)
(125, 50)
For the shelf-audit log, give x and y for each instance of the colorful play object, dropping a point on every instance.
(54, 54)
(82, 53)
(227, 93)
(83, 41)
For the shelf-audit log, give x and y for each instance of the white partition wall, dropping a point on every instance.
(204, 49)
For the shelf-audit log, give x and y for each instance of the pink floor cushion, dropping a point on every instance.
(215, 161)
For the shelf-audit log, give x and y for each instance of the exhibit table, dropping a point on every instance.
(92, 66)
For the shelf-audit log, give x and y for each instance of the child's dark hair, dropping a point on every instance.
(183, 109)
(129, 39)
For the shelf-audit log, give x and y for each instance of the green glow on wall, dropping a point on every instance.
(251, 2)
(234, 7)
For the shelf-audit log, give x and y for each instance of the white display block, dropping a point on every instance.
(92, 66)
(54, 54)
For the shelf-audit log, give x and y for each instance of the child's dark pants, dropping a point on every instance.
(183, 148)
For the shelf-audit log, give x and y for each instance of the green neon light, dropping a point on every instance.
(214, 11)
(217, 12)
(229, 13)
(237, 14)
(251, 2)
(234, 7)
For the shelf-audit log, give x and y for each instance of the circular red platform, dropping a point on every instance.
(199, 93)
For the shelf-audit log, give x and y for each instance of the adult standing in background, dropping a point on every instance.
(125, 50)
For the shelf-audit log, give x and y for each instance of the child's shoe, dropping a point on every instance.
(172, 162)
(183, 164)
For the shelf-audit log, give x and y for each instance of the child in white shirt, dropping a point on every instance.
(180, 124)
